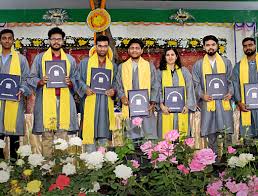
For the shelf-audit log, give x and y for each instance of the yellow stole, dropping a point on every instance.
(144, 75)
(168, 120)
(49, 98)
(90, 102)
(11, 107)
(244, 79)
(206, 69)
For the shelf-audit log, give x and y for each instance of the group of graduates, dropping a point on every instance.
(55, 113)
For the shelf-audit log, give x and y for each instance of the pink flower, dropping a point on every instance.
(172, 136)
(253, 185)
(102, 150)
(213, 189)
(231, 186)
(205, 156)
(196, 166)
(146, 147)
(190, 142)
(164, 147)
(135, 164)
(173, 160)
(231, 150)
(222, 174)
(162, 157)
(137, 121)
(149, 153)
(183, 169)
(242, 189)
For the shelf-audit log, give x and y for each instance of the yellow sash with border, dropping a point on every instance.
(244, 79)
(49, 98)
(11, 107)
(90, 102)
(206, 69)
(168, 120)
(144, 75)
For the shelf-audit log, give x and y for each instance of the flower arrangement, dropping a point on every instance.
(166, 166)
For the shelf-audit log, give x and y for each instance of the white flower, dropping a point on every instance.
(3, 165)
(25, 42)
(4, 176)
(122, 171)
(161, 42)
(241, 163)
(24, 151)
(111, 157)
(35, 159)
(60, 144)
(83, 156)
(96, 187)
(2, 143)
(94, 160)
(75, 141)
(48, 166)
(69, 169)
(68, 160)
(91, 42)
(247, 156)
(118, 42)
(20, 162)
(69, 40)
(232, 161)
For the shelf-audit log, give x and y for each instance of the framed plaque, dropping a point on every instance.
(9, 87)
(251, 95)
(174, 98)
(100, 80)
(56, 72)
(138, 103)
(216, 85)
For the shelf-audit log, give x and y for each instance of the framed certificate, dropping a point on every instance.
(174, 98)
(138, 103)
(216, 85)
(100, 80)
(56, 72)
(251, 95)
(9, 87)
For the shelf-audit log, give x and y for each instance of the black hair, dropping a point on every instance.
(56, 30)
(210, 37)
(135, 41)
(163, 62)
(101, 38)
(4, 31)
(248, 39)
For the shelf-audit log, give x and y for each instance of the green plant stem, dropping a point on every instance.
(142, 188)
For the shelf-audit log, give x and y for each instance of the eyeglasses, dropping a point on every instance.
(56, 39)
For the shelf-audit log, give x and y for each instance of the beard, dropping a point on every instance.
(211, 52)
(55, 48)
(250, 52)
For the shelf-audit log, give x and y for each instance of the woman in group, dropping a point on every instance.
(171, 73)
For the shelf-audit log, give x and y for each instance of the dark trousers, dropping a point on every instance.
(14, 145)
(213, 139)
